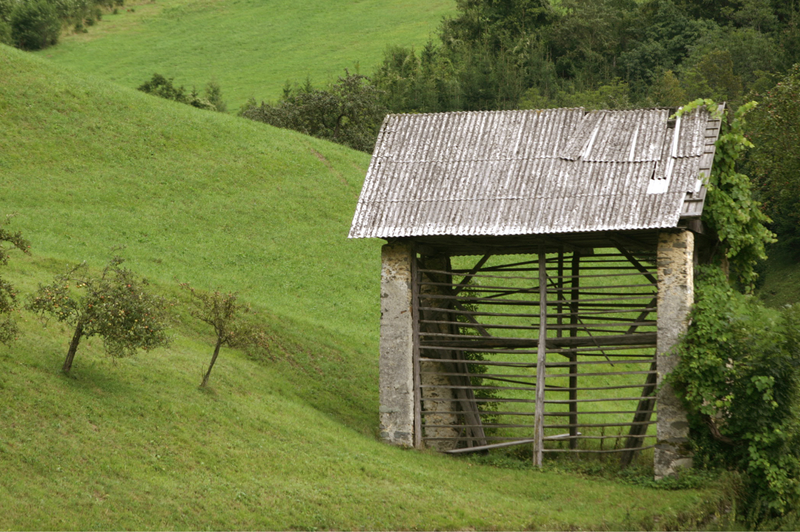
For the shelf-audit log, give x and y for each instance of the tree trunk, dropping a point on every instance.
(73, 347)
(213, 359)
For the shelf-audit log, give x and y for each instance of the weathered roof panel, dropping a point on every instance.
(534, 172)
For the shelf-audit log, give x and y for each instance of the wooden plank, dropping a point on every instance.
(591, 450)
(584, 315)
(637, 265)
(465, 281)
(568, 425)
(415, 280)
(479, 342)
(541, 361)
(622, 322)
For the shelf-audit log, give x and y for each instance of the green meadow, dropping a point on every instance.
(220, 202)
(250, 47)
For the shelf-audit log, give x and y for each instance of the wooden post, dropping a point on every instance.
(415, 279)
(573, 356)
(541, 361)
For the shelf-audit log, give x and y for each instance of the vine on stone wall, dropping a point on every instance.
(730, 209)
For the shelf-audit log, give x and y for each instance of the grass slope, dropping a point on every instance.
(250, 47)
(215, 200)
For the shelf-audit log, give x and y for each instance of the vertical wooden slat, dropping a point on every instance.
(573, 356)
(541, 360)
(560, 291)
(415, 280)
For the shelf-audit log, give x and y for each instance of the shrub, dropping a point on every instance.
(349, 112)
(35, 24)
(162, 87)
(730, 211)
(116, 305)
(213, 94)
(739, 376)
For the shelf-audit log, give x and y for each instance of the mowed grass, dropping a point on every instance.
(221, 202)
(250, 47)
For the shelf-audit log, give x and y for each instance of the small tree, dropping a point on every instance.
(8, 297)
(225, 315)
(116, 305)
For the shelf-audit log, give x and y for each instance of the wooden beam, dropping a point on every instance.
(541, 362)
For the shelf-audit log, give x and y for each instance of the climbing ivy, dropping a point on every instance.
(730, 209)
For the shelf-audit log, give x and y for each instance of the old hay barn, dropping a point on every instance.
(537, 270)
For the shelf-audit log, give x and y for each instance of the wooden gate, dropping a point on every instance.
(555, 349)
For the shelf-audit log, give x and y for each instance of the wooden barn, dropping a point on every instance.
(537, 271)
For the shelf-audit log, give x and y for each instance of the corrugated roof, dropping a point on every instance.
(534, 172)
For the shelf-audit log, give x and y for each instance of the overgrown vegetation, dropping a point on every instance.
(8, 295)
(610, 54)
(115, 305)
(162, 87)
(731, 211)
(739, 375)
(349, 112)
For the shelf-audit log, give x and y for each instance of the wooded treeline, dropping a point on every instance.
(511, 54)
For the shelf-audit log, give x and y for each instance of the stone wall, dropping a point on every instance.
(396, 346)
(675, 299)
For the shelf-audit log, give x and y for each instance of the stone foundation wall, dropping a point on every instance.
(675, 299)
(396, 346)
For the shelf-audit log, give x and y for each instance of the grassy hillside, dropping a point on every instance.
(250, 47)
(217, 201)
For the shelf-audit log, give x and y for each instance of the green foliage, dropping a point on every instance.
(739, 376)
(228, 319)
(775, 160)
(162, 87)
(349, 112)
(116, 306)
(213, 94)
(5, 33)
(497, 23)
(730, 208)
(8, 295)
(35, 24)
